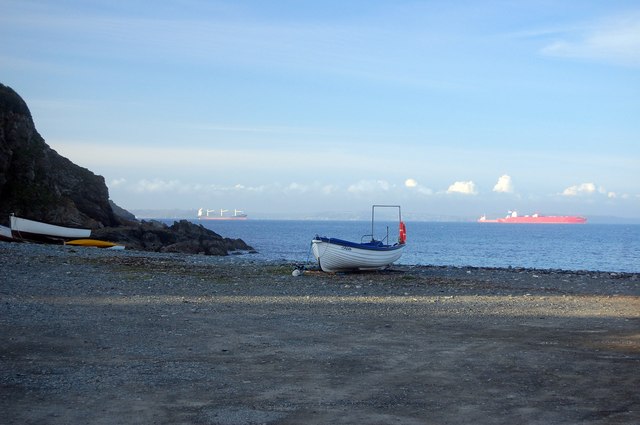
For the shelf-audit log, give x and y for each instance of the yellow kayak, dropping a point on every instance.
(95, 243)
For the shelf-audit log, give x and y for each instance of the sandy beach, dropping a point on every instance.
(100, 337)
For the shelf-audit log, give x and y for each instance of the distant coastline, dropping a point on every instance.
(146, 214)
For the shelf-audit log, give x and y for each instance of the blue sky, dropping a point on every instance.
(299, 107)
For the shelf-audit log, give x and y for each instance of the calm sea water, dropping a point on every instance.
(603, 247)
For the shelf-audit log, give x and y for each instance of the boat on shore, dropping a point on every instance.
(336, 255)
(95, 243)
(25, 229)
(5, 234)
(514, 218)
(237, 215)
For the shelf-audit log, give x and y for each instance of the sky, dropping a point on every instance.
(304, 108)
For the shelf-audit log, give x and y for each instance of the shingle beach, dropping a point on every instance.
(101, 337)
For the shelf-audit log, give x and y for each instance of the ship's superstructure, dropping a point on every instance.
(205, 214)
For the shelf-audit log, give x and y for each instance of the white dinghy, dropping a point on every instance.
(336, 255)
(5, 234)
(22, 228)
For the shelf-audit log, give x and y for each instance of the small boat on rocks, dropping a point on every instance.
(25, 229)
(95, 243)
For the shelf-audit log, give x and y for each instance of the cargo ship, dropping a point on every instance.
(205, 215)
(513, 217)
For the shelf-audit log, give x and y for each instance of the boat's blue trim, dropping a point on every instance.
(371, 246)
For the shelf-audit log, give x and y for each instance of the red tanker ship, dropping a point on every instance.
(513, 217)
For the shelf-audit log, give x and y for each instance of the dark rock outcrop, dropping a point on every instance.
(182, 236)
(125, 216)
(39, 184)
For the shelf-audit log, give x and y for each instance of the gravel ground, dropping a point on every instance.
(102, 337)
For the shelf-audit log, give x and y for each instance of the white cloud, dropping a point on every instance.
(157, 185)
(296, 187)
(238, 187)
(414, 185)
(117, 182)
(369, 186)
(160, 186)
(504, 184)
(465, 188)
(615, 40)
(588, 189)
(584, 188)
(425, 190)
(176, 186)
(410, 183)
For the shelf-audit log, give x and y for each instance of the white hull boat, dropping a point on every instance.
(5, 234)
(23, 228)
(336, 255)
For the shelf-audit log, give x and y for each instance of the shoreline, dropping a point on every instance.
(92, 336)
(236, 257)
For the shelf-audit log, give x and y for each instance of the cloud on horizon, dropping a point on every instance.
(588, 189)
(158, 185)
(369, 186)
(580, 189)
(504, 184)
(413, 184)
(464, 188)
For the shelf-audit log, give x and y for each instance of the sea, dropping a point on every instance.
(590, 247)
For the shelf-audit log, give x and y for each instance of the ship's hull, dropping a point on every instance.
(538, 220)
(222, 218)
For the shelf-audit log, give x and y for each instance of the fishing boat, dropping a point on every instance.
(5, 234)
(514, 218)
(22, 228)
(336, 255)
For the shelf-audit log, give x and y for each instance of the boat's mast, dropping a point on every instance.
(373, 208)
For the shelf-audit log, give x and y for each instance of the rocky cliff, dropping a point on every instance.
(39, 184)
